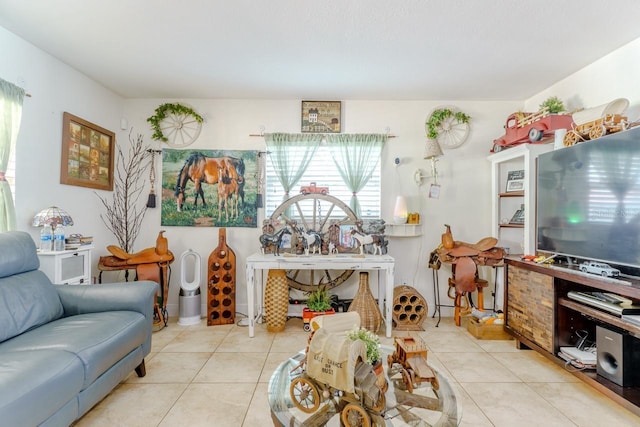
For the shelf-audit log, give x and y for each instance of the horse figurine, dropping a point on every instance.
(273, 239)
(333, 250)
(378, 241)
(312, 240)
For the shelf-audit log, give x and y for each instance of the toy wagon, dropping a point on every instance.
(593, 123)
(335, 369)
(411, 354)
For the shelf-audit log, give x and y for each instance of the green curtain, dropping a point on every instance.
(11, 97)
(284, 150)
(356, 157)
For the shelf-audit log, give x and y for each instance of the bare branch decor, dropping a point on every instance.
(126, 208)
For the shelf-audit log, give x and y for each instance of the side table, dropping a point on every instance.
(69, 267)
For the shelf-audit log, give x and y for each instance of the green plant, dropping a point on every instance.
(319, 300)
(440, 115)
(161, 113)
(371, 341)
(553, 104)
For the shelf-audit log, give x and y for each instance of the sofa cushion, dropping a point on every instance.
(98, 339)
(36, 384)
(19, 253)
(27, 300)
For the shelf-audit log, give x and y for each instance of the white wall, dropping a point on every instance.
(613, 76)
(464, 200)
(464, 203)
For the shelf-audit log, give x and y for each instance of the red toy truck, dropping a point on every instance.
(312, 188)
(531, 127)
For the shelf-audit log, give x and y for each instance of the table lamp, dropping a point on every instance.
(52, 216)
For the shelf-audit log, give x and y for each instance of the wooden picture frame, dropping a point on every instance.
(515, 181)
(87, 154)
(321, 116)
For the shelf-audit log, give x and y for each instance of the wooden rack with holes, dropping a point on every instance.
(221, 283)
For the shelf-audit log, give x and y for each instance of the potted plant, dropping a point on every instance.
(318, 303)
(553, 105)
(372, 343)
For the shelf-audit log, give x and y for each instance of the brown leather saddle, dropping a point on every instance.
(150, 264)
(466, 257)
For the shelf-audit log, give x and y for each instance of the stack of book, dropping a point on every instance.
(74, 241)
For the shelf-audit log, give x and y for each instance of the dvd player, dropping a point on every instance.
(589, 299)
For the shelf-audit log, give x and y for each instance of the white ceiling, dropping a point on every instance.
(325, 49)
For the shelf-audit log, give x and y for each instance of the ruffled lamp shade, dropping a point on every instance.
(52, 216)
(432, 149)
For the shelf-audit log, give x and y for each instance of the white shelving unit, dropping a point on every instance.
(519, 238)
(403, 230)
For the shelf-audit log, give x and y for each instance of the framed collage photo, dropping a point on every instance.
(87, 154)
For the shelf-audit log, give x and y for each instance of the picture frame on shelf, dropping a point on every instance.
(87, 154)
(518, 217)
(515, 181)
(321, 117)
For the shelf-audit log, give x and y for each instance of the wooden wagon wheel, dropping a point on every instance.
(315, 212)
(597, 131)
(408, 382)
(355, 416)
(304, 395)
(571, 138)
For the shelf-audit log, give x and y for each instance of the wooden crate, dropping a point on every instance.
(487, 332)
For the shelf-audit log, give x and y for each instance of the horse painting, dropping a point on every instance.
(199, 169)
(378, 241)
(275, 239)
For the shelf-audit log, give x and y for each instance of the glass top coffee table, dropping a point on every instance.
(423, 407)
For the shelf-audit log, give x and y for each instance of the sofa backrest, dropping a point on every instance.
(27, 297)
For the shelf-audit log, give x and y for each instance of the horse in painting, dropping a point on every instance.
(199, 169)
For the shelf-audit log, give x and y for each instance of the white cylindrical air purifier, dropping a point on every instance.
(190, 311)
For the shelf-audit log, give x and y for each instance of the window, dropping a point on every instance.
(324, 173)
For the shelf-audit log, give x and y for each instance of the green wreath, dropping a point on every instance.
(161, 113)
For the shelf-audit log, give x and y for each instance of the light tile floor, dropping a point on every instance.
(218, 376)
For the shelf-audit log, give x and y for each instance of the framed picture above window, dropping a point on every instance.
(321, 116)
(87, 154)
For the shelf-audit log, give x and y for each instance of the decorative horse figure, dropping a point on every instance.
(311, 240)
(273, 239)
(378, 241)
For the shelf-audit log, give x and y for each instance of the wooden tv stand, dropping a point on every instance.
(540, 316)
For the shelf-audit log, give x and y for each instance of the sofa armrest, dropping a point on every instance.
(132, 296)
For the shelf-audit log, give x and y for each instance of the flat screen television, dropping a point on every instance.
(588, 201)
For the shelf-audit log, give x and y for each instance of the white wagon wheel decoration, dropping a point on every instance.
(314, 212)
(448, 125)
(176, 124)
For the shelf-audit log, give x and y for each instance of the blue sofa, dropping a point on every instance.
(63, 348)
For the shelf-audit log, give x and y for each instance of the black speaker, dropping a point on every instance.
(618, 357)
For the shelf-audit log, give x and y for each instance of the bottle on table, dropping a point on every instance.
(58, 238)
(46, 238)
